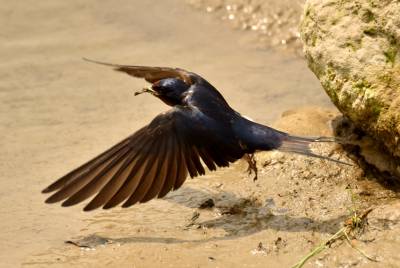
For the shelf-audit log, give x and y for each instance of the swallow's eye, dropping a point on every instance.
(171, 87)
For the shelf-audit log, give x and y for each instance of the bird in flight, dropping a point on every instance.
(199, 128)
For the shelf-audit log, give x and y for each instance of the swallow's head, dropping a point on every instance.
(170, 90)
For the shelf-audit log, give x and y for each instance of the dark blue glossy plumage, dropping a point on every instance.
(207, 109)
(200, 128)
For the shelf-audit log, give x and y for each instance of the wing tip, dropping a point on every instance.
(88, 208)
(46, 190)
(52, 199)
(52, 187)
(101, 62)
(70, 202)
(106, 206)
(116, 67)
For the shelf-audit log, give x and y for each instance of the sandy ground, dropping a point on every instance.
(273, 23)
(58, 111)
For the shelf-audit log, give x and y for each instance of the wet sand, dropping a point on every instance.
(58, 111)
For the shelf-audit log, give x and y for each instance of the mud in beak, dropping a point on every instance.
(146, 90)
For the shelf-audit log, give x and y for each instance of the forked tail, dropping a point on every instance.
(301, 145)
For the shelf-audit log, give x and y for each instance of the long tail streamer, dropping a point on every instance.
(301, 145)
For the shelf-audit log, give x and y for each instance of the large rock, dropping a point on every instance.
(352, 47)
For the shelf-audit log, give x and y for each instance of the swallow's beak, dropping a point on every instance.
(146, 90)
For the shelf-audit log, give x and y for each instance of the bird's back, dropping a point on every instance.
(209, 101)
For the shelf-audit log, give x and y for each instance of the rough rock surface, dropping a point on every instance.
(352, 47)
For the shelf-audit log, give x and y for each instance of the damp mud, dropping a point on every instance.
(58, 111)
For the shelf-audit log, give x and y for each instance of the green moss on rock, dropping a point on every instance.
(390, 55)
(356, 61)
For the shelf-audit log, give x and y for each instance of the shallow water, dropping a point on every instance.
(58, 111)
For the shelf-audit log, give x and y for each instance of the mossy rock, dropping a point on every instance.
(353, 48)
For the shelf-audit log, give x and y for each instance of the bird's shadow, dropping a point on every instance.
(237, 216)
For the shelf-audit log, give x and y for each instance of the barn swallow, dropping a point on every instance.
(200, 128)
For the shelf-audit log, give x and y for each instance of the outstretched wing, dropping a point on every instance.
(148, 164)
(150, 74)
